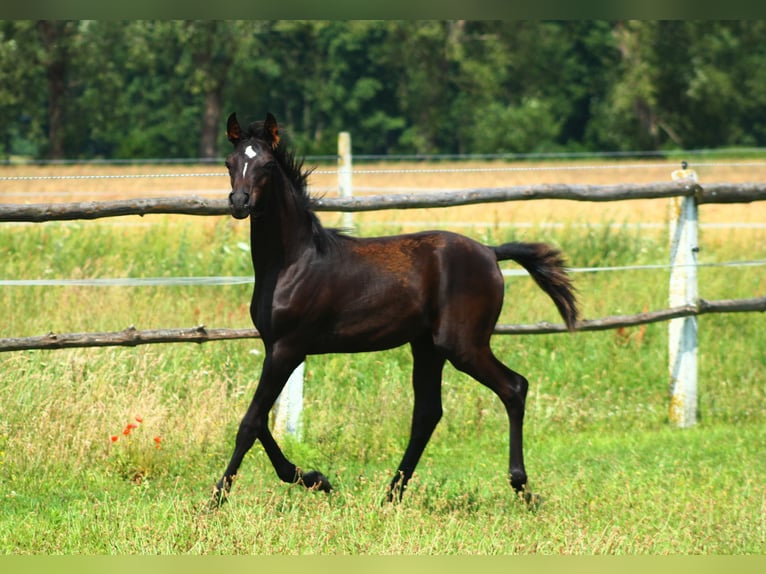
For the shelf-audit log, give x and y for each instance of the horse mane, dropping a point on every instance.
(292, 166)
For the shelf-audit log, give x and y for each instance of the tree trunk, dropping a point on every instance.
(55, 41)
(211, 118)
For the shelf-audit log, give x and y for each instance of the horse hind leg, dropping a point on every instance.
(427, 411)
(511, 388)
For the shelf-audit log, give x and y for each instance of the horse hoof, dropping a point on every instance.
(314, 480)
(518, 480)
(218, 498)
(531, 500)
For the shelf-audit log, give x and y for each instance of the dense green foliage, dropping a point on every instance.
(85, 89)
(616, 478)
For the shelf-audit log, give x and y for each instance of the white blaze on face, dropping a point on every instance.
(249, 152)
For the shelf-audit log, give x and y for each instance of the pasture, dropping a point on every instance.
(614, 476)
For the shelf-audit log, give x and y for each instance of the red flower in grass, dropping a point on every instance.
(139, 419)
(114, 438)
(157, 442)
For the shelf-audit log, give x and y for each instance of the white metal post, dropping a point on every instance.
(287, 410)
(682, 339)
(344, 174)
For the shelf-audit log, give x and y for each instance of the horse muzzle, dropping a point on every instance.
(239, 204)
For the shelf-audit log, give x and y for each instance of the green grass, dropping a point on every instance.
(614, 476)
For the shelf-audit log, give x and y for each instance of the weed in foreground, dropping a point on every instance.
(132, 456)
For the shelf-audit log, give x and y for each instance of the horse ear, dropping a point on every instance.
(272, 129)
(233, 131)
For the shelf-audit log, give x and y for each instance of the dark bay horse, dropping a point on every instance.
(318, 290)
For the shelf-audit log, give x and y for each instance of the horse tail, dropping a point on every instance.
(547, 267)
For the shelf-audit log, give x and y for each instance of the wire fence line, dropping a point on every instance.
(568, 225)
(395, 171)
(211, 281)
(321, 172)
(107, 176)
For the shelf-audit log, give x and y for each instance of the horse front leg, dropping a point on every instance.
(254, 425)
(250, 428)
(287, 471)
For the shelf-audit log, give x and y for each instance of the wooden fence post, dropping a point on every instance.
(682, 332)
(344, 174)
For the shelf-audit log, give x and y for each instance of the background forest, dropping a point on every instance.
(162, 89)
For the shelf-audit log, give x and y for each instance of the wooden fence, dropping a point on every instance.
(685, 190)
(711, 193)
(132, 337)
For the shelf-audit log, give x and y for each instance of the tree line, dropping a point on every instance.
(162, 89)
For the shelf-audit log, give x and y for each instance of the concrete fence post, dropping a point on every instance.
(289, 405)
(682, 333)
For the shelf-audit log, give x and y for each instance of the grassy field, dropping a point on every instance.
(614, 476)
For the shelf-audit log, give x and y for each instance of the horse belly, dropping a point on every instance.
(372, 323)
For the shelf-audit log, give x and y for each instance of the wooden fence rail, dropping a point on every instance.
(194, 205)
(132, 337)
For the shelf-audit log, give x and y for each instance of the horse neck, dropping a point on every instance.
(282, 232)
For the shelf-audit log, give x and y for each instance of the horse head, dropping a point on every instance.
(251, 164)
